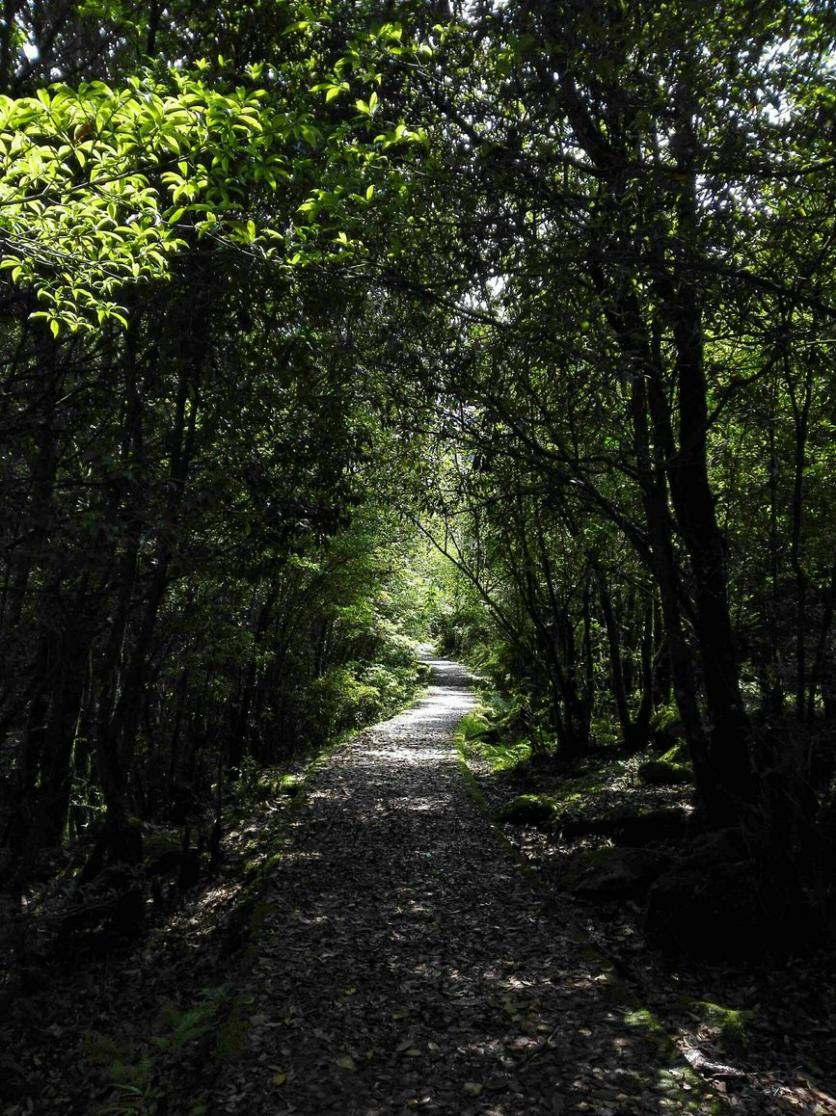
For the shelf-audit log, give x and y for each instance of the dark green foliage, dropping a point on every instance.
(569, 326)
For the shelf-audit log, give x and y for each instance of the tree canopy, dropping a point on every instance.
(298, 297)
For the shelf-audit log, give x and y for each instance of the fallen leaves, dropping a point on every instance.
(491, 1006)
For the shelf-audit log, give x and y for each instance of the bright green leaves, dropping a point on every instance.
(96, 184)
(390, 34)
(367, 108)
(101, 187)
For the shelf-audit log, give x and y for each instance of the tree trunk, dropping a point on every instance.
(693, 501)
(616, 669)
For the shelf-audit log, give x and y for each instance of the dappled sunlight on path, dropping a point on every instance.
(407, 964)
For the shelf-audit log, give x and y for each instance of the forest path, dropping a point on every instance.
(406, 963)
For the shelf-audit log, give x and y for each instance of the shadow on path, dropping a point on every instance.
(407, 964)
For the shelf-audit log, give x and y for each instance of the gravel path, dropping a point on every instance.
(406, 963)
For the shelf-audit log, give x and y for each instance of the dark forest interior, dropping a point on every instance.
(340, 338)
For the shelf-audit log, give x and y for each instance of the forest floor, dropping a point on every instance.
(762, 1032)
(392, 955)
(407, 962)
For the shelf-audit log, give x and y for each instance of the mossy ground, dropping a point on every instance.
(137, 1070)
(728, 1026)
(678, 1088)
(731, 1014)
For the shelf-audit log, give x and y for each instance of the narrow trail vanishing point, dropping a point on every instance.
(406, 963)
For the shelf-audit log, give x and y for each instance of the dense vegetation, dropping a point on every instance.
(290, 289)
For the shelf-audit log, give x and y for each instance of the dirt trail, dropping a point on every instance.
(406, 963)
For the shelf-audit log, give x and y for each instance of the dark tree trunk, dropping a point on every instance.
(693, 501)
(616, 670)
(801, 418)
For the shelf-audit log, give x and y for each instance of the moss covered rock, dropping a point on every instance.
(661, 773)
(291, 785)
(728, 1024)
(528, 809)
(678, 755)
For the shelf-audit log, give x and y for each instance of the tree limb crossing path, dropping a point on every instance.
(407, 963)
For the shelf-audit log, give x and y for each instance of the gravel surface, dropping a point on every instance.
(406, 963)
